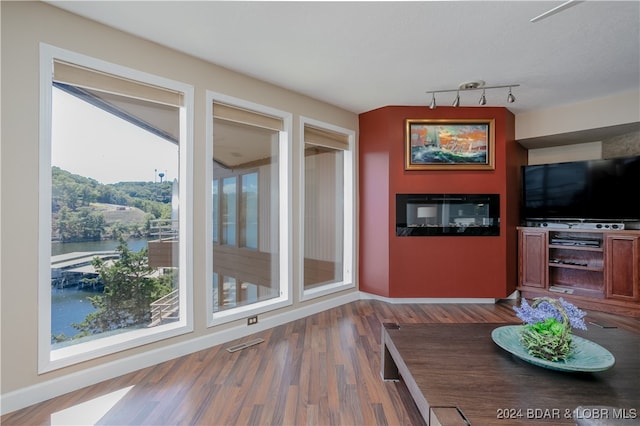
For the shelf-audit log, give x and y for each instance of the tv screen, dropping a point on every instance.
(597, 190)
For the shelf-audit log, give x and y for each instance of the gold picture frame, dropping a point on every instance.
(449, 144)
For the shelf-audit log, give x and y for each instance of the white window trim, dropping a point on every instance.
(349, 266)
(49, 359)
(285, 213)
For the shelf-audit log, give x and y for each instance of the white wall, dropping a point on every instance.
(614, 110)
(559, 154)
(625, 145)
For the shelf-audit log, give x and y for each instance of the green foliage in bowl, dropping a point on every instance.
(547, 330)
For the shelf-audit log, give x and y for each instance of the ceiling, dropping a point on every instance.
(365, 55)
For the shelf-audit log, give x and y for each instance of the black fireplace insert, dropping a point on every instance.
(447, 215)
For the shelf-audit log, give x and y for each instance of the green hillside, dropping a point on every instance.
(84, 209)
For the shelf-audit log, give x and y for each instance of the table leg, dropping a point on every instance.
(389, 368)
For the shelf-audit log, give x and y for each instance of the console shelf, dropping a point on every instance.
(576, 267)
(577, 248)
(597, 270)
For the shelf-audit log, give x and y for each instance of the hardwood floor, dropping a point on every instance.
(319, 370)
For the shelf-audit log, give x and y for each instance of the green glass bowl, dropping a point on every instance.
(586, 357)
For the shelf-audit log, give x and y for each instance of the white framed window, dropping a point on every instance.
(249, 208)
(115, 195)
(327, 231)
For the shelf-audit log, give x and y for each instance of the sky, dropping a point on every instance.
(93, 143)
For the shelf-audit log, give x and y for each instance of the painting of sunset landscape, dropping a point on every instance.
(444, 143)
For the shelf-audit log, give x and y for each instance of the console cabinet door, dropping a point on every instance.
(533, 258)
(622, 258)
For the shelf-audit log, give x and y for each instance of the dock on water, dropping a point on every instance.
(73, 269)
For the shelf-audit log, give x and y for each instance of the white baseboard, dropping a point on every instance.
(43, 391)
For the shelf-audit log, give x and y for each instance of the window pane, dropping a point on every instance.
(216, 292)
(249, 228)
(216, 210)
(229, 292)
(114, 216)
(323, 216)
(245, 159)
(229, 187)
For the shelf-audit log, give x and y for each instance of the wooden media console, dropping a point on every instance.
(598, 270)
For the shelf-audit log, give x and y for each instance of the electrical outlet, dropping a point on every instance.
(252, 320)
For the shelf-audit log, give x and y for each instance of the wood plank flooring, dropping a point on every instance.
(320, 370)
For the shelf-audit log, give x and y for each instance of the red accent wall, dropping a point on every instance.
(434, 266)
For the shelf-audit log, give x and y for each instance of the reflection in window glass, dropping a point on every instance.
(249, 229)
(229, 188)
(323, 215)
(245, 161)
(229, 298)
(216, 211)
(250, 293)
(216, 292)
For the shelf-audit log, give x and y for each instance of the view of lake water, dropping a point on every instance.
(71, 305)
(62, 248)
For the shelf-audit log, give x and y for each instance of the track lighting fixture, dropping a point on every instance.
(472, 85)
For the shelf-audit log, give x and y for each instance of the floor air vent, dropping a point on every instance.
(241, 346)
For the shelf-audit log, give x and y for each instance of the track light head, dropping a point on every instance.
(510, 98)
(483, 99)
(456, 101)
(433, 101)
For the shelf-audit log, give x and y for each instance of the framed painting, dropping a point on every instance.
(449, 144)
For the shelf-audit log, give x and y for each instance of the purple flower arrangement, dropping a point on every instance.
(545, 310)
(547, 330)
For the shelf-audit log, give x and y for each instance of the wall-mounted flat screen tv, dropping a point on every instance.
(596, 190)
